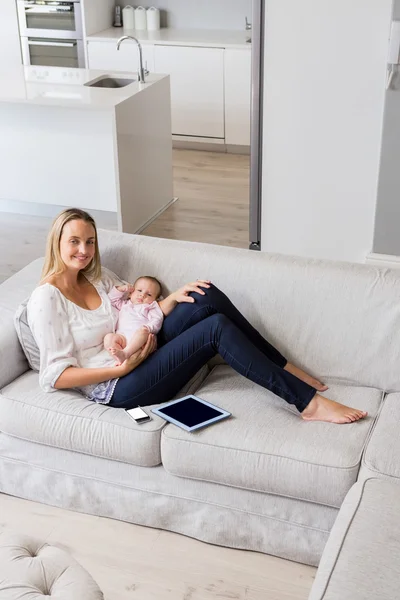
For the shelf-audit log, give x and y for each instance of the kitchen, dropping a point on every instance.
(208, 58)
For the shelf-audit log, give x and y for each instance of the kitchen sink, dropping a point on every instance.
(109, 82)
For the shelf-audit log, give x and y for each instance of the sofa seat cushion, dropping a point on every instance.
(382, 454)
(65, 419)
(266, 446)
(361, 558)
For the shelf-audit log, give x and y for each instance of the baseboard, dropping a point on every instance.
(383, 260)
(154, 217)
(195, 145)
(104, 219)
(209, 145)
(198, 139)
(238, 149)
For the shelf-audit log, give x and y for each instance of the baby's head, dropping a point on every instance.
(147, 290)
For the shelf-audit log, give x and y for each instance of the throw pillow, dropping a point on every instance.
(24, 332)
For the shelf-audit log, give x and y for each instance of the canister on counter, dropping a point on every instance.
(140, 18)
(153, 19)
(128, 17)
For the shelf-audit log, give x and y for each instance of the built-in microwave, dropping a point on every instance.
(50, 19)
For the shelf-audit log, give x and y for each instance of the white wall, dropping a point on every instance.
(325, 67)
(387, 219)
(97, 15)
(10, 49)
(199, 14)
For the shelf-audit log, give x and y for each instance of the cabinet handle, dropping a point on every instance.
(60, 44)
(46, 10)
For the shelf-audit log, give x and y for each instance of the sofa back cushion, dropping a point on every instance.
(337, 320)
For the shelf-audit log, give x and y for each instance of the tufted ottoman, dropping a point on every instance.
(33, 570)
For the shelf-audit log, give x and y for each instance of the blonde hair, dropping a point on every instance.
(53, 263)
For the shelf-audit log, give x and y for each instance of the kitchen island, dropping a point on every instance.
(66, 142)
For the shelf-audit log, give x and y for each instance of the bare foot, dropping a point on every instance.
(315, 383)
(119, 355)
(322, 409)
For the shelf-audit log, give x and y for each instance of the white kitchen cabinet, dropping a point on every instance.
(197, 89)
(237, 96)
(104, 55)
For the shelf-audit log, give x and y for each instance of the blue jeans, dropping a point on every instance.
(193, 334)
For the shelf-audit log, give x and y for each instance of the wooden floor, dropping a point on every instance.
(212, 207)
(139, 563)
(213, 200)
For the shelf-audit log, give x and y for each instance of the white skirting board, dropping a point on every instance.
(383, 260)
(163, 209)
(104, 219)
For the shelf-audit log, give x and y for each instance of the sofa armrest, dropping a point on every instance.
(12, 359)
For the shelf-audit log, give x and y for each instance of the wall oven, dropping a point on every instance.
(51, 32)
(52, 52)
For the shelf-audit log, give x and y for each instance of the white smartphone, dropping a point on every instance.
(138, 415)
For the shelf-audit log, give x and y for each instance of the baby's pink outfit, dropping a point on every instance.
(133, 316)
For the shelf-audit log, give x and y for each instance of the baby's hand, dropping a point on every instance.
(128, 288)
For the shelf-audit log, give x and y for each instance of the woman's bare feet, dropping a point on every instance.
(119, 355)
(315, 383)
(322, 409)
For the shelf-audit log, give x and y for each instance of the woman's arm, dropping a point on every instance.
(77, 376)
(182, 295)
(48, 320)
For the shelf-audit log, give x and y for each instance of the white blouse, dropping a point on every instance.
(68, 335)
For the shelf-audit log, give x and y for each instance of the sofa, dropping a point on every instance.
(262, 480)
(361, 560)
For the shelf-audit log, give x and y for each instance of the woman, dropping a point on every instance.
(70, 313)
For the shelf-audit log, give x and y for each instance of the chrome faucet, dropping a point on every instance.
(141, 74)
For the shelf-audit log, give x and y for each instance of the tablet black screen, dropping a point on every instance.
(190, 412)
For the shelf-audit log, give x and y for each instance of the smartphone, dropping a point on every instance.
(138, 415)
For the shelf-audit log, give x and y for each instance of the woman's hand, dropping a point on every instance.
(138, 357)
(182, 295)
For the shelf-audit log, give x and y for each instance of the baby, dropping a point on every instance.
(139, 315)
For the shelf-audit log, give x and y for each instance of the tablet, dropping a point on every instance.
(191, 413)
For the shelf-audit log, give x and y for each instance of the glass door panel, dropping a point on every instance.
(51, 15)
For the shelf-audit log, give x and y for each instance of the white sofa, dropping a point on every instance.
(263, 480)
(361, 560)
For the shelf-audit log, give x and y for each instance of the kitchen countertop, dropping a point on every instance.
(62, 86)
(178, 37)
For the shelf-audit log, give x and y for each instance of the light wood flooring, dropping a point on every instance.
(139, 563)
(213, 200)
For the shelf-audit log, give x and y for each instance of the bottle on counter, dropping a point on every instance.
(153, 19)
(140, 18)
(128, 17)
